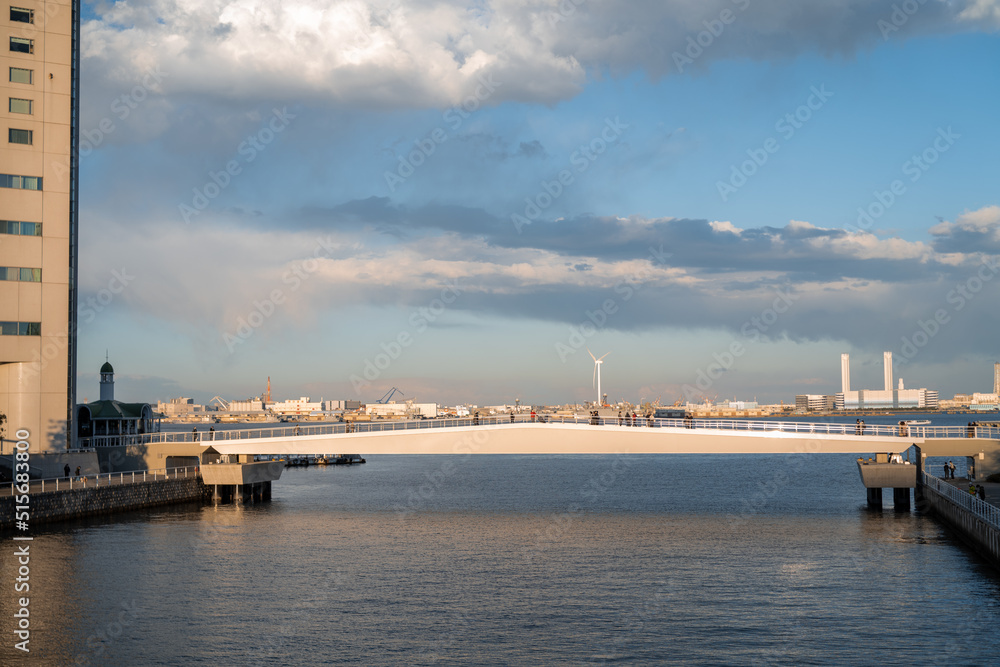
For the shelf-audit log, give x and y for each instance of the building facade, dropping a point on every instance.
(38, 219)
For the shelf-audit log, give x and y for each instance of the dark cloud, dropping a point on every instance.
(801, 251)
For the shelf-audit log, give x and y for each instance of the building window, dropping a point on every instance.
(19, 136)
(18, 105)
(21, 75)
(19, 274)
(19, 15)
(22, 45)
(20, 182)
(20, 228)
(20, 328)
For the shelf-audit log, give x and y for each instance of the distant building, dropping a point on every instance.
(300, 406)
(249, 406)
(869, 399)
(815, 402)
(176, 407)
(108, 422)
(886, 398)
(407, 410)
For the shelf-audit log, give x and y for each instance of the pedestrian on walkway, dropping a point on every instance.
(78, 472)
(66, 471)
(982, 492)
(951, 469)
(857, 426)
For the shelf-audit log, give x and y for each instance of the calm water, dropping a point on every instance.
(517, 560)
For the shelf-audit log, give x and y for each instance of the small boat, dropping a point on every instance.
(917, 422)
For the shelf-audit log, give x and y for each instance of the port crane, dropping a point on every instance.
(389, 394)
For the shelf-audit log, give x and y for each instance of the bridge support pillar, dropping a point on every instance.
(901, 500)
(875, 499)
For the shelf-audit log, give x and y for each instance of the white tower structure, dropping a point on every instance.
(845, 373)
(107, 382)
(887, 361)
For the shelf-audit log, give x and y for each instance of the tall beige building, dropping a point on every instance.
(38, 219)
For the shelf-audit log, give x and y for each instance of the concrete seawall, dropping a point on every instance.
(970, 527)
(79, 502)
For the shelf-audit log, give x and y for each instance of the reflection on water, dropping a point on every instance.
(518, 560)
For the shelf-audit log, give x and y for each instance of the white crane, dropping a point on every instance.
(597, 372)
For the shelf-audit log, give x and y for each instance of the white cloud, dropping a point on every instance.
(437, 53)
(984, 220)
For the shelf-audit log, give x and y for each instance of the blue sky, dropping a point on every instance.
(459, 199)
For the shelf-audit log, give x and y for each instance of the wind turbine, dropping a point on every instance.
(597, 372)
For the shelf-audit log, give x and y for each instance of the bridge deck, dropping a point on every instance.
(566, 438)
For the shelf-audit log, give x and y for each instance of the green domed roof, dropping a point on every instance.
(106, 368)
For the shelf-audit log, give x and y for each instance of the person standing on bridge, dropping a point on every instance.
(857, 426)
(982, 492)
(66, 471)
(951, 469)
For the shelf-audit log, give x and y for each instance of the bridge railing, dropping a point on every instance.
(102, 479)
(982, 509)
(382, 426)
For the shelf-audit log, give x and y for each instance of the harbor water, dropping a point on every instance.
(489, 560)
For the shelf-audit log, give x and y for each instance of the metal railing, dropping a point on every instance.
(64, 483)
(883, 430)
(982, 509)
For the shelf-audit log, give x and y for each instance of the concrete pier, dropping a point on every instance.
(975, 522)
(901, 500)
(243, 483)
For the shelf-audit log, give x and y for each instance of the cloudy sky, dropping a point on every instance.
(459, 198)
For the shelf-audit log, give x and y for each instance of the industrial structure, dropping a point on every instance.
(38, 221)
(886, 398)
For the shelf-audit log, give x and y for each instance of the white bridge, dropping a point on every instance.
(555, 435)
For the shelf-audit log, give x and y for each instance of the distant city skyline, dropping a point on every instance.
(459, 201)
